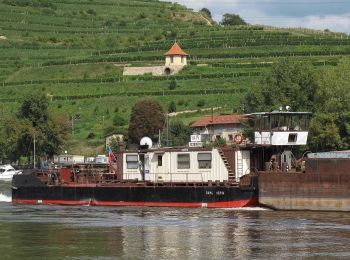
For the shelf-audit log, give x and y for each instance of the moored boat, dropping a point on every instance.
(172, 177)
(7, 172)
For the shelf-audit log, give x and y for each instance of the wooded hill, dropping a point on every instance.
(75, 51)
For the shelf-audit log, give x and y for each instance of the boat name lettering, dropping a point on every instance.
(209, 192)
(219, 192)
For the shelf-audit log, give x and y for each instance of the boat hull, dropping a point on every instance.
(114, 195)
(305, 191)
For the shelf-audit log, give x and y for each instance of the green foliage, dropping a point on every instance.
(147, 117)
(200, 103)
(34, 119)
(179, 133)
(91, 11)
(288, 84)
(206, 11)
(114, 144)
(31, 3)
(13, 134)
(330, 129)
(172, 85)
(324, 133)
(119, 120)
(172, 107)
(35, 109)
(232, 19)
(91, 135)
(218, 142)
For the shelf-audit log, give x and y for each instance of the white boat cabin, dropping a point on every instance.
(186, 165)
(281, 128)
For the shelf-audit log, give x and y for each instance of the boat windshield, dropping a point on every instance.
(282, 122)
(2, 170)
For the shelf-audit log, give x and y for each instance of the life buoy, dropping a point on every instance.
(238, 139)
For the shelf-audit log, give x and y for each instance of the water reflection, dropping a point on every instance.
(55, 232)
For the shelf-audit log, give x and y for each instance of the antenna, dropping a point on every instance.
(146, 141)
(34, 153)
(167, 129)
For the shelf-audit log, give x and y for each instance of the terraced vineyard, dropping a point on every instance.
(75, 51)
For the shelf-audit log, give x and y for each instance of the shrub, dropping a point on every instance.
(119, 121)
(172, 85)
(200, 103)
(91, 135)
(172, 107)
(91, 11)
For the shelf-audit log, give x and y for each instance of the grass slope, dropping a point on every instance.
(75, 52)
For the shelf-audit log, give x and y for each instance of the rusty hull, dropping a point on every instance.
(325, 186)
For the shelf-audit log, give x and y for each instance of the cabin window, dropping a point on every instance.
(230, 137)
(183, 161)
(292, 138)
(171, 59)
(182, 59)
(204, 160)
(160, 160)
(132, 162)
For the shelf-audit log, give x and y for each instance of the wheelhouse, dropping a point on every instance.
(280, 128)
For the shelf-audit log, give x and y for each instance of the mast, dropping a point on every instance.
(167, 129)
(34, 154)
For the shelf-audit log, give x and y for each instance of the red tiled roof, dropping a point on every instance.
(218, 120)
(176, 50)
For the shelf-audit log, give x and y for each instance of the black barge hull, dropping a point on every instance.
(29, 189)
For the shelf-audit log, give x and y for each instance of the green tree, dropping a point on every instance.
(172, 85)
(324, 133)
(172, 107)
(35, 109)
(179, 133)
(50, 128)
(289, 83)
(119, 121)
(232, 19)
(330, 128)
(147, 117)
(13, 135)
(206, 11)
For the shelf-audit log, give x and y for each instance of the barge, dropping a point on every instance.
(321, 184)
(172, 177)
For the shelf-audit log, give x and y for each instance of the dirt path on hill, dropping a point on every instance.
(192, 111)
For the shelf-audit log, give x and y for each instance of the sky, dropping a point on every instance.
(315, 14)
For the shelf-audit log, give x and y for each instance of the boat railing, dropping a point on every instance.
(173, 178)
(162, 177)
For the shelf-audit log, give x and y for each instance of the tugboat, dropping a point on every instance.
(317, 181)
(171, 177)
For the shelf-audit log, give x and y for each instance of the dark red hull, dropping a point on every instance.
(29, 190)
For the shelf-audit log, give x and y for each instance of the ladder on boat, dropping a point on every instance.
(231, 173)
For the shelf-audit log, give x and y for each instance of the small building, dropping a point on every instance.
(175, 60)
(223, 126)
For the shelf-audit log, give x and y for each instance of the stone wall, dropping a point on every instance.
(155, 70)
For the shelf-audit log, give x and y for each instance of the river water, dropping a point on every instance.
(87, 232)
